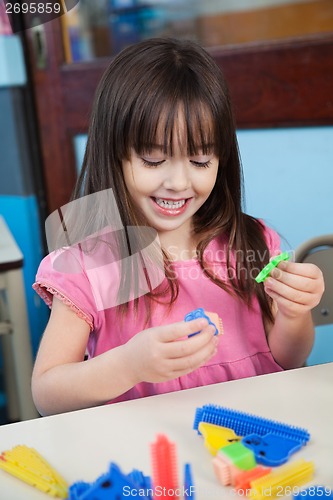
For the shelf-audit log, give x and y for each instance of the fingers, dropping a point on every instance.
(165, 352)
(168, 333)
(305, 278)
(186, 364)
(183, 356)
(295, 284)
(189, 346)
(294, 293)
(303, 269)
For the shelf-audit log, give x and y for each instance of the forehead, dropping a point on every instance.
(183, 128)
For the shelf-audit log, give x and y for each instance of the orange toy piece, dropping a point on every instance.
(242, 481)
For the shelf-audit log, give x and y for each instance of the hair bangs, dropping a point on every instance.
(201, 133)
(175, 118)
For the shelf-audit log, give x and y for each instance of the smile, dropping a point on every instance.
(170, 203)
(169, 207)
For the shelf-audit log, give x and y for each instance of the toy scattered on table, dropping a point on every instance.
(216, 436)
(284, 478)
(265, 272)
(232, 459)
(188, 482)
(164, 465)
(164, 470)
(271, 449)
(315, 492)
(112, 484)
(238, 445)
(225, 473)
(238, 455)
(28, 465)
(256, 440)
(211, 317)
(244, 424)
(142, 481)
(242, 481)
(115, 484)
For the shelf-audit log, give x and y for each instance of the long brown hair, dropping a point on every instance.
(150, 80)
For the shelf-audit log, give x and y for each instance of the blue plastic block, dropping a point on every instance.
(112, 484)
(271, 450)
(244, 423)
(199, 313)
(189, 488)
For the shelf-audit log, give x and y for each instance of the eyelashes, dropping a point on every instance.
(199, 164)
(154, 164)
(151, 164)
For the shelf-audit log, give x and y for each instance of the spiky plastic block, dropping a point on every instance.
(245, 423)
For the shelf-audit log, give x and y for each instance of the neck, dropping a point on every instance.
(179, 245)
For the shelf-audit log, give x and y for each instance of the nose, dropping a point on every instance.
(177, 176)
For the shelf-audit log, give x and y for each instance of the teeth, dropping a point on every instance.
(169, 203)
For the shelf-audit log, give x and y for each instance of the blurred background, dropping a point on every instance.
(277, 58)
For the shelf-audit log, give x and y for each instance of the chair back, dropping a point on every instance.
(319, 251)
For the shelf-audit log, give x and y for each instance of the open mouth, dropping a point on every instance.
(170, 204)
(170, 207)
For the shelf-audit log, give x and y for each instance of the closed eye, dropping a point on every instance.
(200, 164)
(151, 164)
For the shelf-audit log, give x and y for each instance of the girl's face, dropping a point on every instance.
(169, 190)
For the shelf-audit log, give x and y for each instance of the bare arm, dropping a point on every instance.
(62, 381)
(296, 288)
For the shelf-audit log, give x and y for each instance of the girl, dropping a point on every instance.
(162, 137)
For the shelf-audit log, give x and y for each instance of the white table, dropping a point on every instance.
(81, 444)
(14, 329)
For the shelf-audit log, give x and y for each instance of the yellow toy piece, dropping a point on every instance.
(217, 437)
(282, 480)
(28, 465)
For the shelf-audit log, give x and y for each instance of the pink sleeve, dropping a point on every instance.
(61, 274)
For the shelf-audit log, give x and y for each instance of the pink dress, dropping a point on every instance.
(242, 352)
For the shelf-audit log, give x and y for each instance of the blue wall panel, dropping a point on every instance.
(289, 179)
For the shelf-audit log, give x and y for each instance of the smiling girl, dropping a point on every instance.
(162, 138)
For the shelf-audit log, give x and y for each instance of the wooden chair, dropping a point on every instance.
(319, 251)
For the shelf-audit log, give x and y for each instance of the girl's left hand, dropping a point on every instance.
(295, 287)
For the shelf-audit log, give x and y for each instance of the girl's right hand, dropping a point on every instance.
(162, 353)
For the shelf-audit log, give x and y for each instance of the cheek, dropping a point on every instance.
(144, 184)
(141, 184)
(206, 183)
